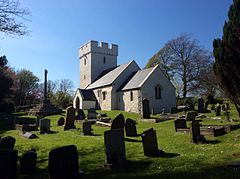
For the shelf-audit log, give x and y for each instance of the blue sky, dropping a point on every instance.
(140, 28)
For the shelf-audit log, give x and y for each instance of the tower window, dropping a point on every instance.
(104, 94)
(131, 96)
(84, 77)
(98, 93)
(158, 94)
(104, 59)
(85, 61)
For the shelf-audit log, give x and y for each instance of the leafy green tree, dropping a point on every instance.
(183, 60)
(26, 87)
(227, 55)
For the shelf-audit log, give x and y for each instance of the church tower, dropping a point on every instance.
(94, 59)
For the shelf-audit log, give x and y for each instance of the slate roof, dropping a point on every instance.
(110, 77)
(88, 94)
(138, 79)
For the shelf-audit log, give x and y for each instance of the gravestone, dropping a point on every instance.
(80, 114)
(201, 105)
(29, 127)
(28, 162)
(150, 146)
(63, 163)
(228, 106)
(29, 135)
(191, 115)
(163, 111)
(130, 128)
(44, 126)
(118, 122)
(146, 110)
(218, 110)
(173, 110)
(195, 135)
(8, 164)
(206, 106)
(180, 124)
(61, 121)
(92, 114)
(115, 148)
(87, 128)
(7, 143)
(223, 107)
(213, 108)
(70, 118)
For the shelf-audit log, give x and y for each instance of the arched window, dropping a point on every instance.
(131, 96)
(158, 94)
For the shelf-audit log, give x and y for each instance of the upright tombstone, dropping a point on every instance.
(80, 114)
(115, 148)
(8, 164)
(228, 106)
(60, 121)
(63, 163)
(118, 122)
(7, 143)
(191, 115)
(173, 110)
(180, 124)
(200, 105)
(87, 128)
(92, 114)
(150, 145)
(130, 128)
(196, 137)
(70, 118)
(146, 110)
(218, 110)
(28, 162)
(44, 126)
(206, 106)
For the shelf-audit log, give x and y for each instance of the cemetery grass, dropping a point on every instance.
(194, 160)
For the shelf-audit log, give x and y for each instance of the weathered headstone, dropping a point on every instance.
(115, 148)
(201, 105)
(87, 128)
(163, 111)
(196, 137)
(63, 163)
(92, 114)
(150, 146)
(218, 110)
(130, 128)
(223, 107)
(206, 106)
(228, 106)
(60, 121)
(118, 122)
(7, 143)
(191, 115)
(173, 110)
(29, 135)
(44, 126)
(80, 114)
(8, 164)
(180, 124)
(28, 162)
(70, 118)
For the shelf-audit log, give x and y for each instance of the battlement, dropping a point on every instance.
(98, 47)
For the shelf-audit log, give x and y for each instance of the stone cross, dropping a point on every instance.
(45, 85)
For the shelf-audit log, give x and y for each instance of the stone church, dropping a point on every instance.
(107, 86)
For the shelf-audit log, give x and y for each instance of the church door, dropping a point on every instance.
(146, 111)
(77, 103)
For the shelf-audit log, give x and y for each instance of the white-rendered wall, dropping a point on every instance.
(168, 95)
(94, 54)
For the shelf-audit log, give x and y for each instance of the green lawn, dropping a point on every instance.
(194, 161)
